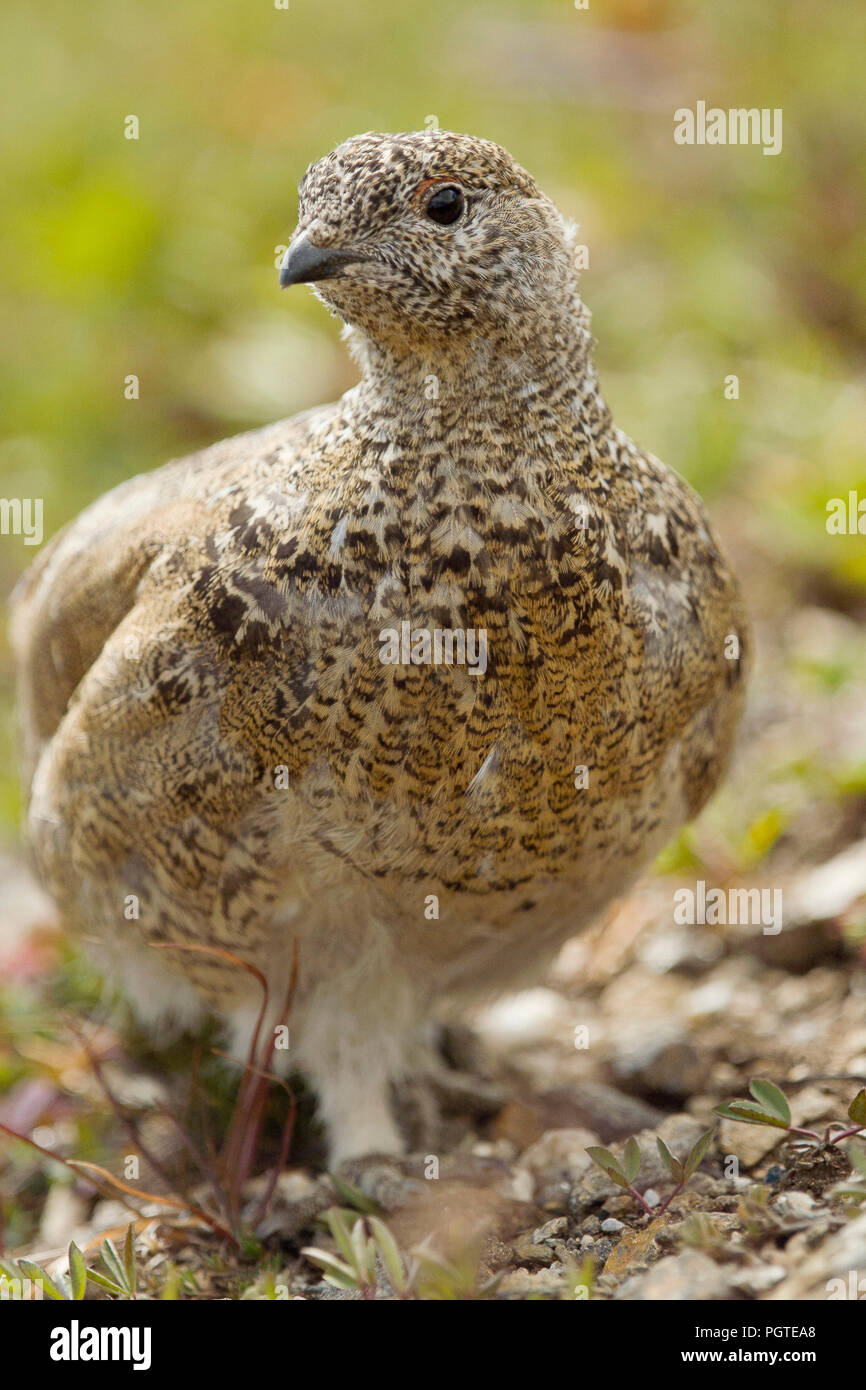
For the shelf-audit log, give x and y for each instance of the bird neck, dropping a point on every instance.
(525, 379)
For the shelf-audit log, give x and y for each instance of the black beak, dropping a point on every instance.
(304, 262)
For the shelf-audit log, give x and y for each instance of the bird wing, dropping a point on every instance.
(86, 580)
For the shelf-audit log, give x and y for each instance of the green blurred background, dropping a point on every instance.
(156, 256)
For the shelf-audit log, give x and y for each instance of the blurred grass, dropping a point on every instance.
(156, 256)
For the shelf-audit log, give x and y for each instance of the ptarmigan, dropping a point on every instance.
(417, 681)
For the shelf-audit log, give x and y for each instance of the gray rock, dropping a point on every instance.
(551, 1231)
(661, 1059)
(688, 950)
(836, 1270)
(612, 1114)
(679, 1279)
(794, 1206)
(748, 1143)
(611, 1226)
(559, 1155)
(519, 1281)
(756, 1279)
(529, 1252)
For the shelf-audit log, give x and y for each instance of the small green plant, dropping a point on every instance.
(271, 1285)
(625, 1173)
(769, 1106)
(698, 1232)
(755, 1212)
(439, 1278)
(579, 1279)
(119, 1279)
(61, 1288)
(426, 1275)
(120, 1274)
(355, 1266)
(225, 1173)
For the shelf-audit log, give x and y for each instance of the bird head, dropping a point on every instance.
(429, 240)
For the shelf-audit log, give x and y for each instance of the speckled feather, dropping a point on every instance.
(205, 625)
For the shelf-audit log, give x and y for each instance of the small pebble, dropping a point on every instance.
(795, 1205)
(550, 1230)
(611, 1226)
(726, 1203)
(651, 1197)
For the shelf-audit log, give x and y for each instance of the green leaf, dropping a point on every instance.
(390, 1255)
(605, 1160)
(129, 1259)
(857, 1108)
(771, 1098)
(858, 1194)
(113, 1263)
(340, 1281)
(77, 1273)
(631, 1159)
(665, 1154)
(104, 1282)
(698, 1153)
(365, 1251)
(340, 1231)
(354, 1197)
(748, 1114)
(34, 1273)
(857, 1155)
(336, 1271)
(673, 1165)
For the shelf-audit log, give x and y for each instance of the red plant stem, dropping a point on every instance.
(128, 1125)
(198, 1158)
(249, 1145)
(846, 1134)
(285, 1142)
(255, 1085)
(650, 1211)
(660, 1211)
(117, 1190)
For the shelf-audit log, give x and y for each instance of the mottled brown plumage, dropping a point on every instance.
(215, 736)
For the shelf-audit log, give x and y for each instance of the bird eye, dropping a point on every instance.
(445, 205)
